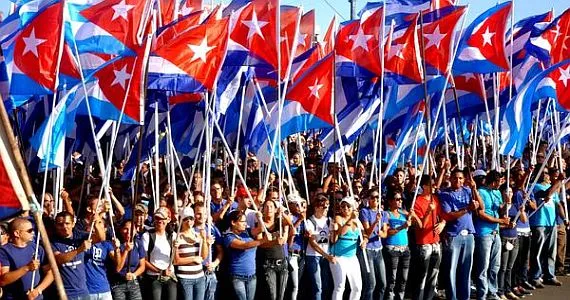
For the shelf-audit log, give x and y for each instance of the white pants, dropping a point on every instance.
(346, 267)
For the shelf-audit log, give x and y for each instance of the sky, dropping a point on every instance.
(324, 8)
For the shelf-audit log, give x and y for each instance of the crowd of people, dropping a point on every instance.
(464, 232)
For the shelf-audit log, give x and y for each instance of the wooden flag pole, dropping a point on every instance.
(36, 213)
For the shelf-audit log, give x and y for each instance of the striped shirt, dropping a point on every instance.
(191, 270)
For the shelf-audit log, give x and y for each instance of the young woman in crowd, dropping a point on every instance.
(346, 238)
(241, 250)
(129, 265)
(396, 249)
(189, 252)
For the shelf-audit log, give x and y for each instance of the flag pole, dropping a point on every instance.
(36, 211)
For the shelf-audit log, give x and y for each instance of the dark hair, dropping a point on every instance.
(457, 170)
(425, 180)
(234, 216)
(64, 214)
(493, 176)
(391, 193)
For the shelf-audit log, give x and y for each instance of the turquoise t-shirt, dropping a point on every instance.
(400, 238)
(546, 215)
(492, 199)
(346, 244)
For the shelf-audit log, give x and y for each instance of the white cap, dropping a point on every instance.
(186, 212)
(349, 200)
(479, 173)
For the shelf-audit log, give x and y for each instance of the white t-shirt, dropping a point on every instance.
(320, 230)
(160, 255)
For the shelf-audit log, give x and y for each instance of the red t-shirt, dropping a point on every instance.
(426, 235)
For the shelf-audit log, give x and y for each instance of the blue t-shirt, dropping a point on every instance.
(546, 215)
(96, 260)
(136, 254)
(492, 199)
(512, 212)
(15, 258)
(73, 272)
(454, 200)
(368, 215)
(214, 208)
(400, 238)
(299, 237)
(518, 200)
(240, 262)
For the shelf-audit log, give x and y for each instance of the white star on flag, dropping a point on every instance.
(564, 75)
(32, 43)
(200, 51)
(121, 77)
(434, 38)
(469, 76)
(396, 50)
(487, 36)
(301, 39)
(254, 26)
(360, 39)
(121, 10)
(315, 88)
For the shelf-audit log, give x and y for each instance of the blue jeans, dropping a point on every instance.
(542, 252)
(126, 290)
(318, 270)
(374, 282)
(193, 288)
(459, 261)
(522, 261)
(210, 286)
(488, 258)
(296, 267)
(101, 296)
(427, 263)
(244, 286)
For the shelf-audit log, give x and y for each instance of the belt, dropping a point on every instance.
(397, 248)
(347, 239)
(296, 252)
(525, 234)
(276, 262)
(464, 232)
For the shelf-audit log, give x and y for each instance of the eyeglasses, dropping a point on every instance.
(188, 219)
(398, 199)
(28, 230)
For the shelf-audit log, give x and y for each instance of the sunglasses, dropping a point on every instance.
(398, 199)
(188, 219)
(29, 230)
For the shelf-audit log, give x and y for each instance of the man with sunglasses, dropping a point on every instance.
(18, 264)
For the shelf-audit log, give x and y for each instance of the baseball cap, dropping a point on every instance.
(162, 213)
(349, 200)
(187, 212)
(141, 208)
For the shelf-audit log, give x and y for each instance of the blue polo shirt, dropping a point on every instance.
(454, 200)
(492, 199)
(545, 216)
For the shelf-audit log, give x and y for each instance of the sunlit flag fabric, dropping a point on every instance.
(358, 45)
(470, 95)
(554, 83)
(438, 37)
(36, 53)
(191, 62)
(551, 44)
(13, 197)
(482, 45)
(328, 39)
(403, 56)
(189, 6)
(306, 32)
(126, 20)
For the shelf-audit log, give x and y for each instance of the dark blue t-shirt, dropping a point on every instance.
(136, 254)
(454, 200)
(73, 272)
(96, 260)
(15, 258)
(240, 262)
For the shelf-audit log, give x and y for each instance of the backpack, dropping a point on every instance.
(152, 238)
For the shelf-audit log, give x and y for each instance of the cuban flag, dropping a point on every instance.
(482, 45)
(308, 105)
(358, 46)
(470, 96)
(549, 40)
(36, 53)
(554, 83)
(328, 39)
(190, 63)
(187, 7)
(403, 56)
(306, 32)
(13, 198)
